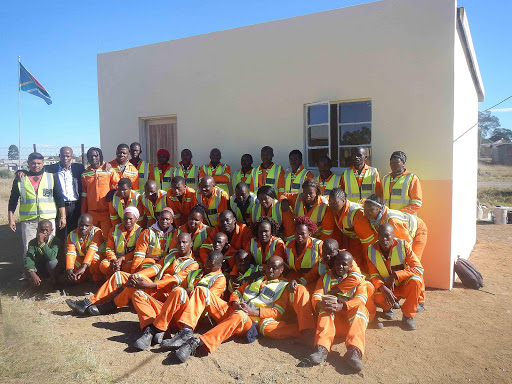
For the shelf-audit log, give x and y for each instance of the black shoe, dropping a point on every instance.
(183, 335)
(188, 349)
(319, 355)
(158, 337)
(388, 315)
(408, 323)
(144, 341)
(307, 337)
(420, 307)
(102, 309)
(79, 306)
(375, 324)
(353, 358)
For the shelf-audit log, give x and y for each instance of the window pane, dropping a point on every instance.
(318, 114)
(315, 154)
(355, 134)
(318, 136)
(345, 155)
(355, 112)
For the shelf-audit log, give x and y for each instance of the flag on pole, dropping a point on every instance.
(28, 83)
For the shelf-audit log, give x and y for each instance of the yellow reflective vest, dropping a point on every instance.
(38, 204)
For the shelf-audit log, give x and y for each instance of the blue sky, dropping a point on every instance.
(59, 41)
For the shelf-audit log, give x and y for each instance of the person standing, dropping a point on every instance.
(187, 170)
(39, 197)
(123, 167)
(268, 173)
(360, 181)
(327, 179)
(164, 170)
(145, 169)
(297, 175)
(243, 175)
(401, 188)
(220, 172)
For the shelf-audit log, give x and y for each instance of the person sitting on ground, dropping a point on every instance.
(195, 227)
(298, 174)
(213, 198)
(199, 291)
(219, 243)
(267, 206)
(257, 304)
(41, 258)
(401, 189)
(339, 300)
(396, 273)
(152, 202)
(239, 235)
(243, 175)
(124, 197)
(312, 204)
(121, 242)
(180, 199)
(85, 249)
(245, 269)
(242, 202)
(303, 251)
(326, 178)
(156, 281)
(220, 172)
(265, 243)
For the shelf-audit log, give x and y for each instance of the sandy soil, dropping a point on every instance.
(462, 336)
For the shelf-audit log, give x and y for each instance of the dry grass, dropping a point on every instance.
(492, 196)
(32, 350)
(5, 192)
(489, 172)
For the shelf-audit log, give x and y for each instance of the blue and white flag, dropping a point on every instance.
(28, 83)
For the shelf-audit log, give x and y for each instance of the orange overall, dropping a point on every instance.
(96, 183)
(130, 172)
(376, 188)
(238, 239)
(195, 294)
(414, 192)
(214, 204)
(351, 322)
(409, 275)
(302, 263)
(120, 243)
(152, 245)
(170, 271)
(261, 178)
(181, 206)
(117, 212)
(87, 250)
(221, 174)
(318, 213)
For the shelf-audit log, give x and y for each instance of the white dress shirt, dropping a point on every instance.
(69, 192)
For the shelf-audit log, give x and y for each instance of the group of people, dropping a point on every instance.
(259, 251)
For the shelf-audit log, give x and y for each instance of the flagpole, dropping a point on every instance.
(19, 115)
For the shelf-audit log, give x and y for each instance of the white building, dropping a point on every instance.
(393, 74)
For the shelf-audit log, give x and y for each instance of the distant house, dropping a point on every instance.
(502, 153)
(51, 160)
(388, 75)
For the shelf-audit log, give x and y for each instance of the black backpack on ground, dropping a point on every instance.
(468, 274)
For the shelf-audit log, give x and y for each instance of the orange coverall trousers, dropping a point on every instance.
(411, 290)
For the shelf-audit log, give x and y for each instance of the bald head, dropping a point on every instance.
(219, 241)
(386, 237)
(343, 263)
(274, 267)
(386, 228)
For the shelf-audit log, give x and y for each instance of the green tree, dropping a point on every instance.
(13, 152)
(501, 133)
(487, 123)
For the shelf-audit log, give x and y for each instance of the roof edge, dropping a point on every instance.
(469, 51)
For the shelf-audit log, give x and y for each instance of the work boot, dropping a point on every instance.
(144, 341)
(79, 306)
(408, 323)
(388, 315)
(102, 309)
(353, 358)
(319, 355)
(183, 335)
(158, 337)
(188, 349)
(420, 307)
(376, 324)
(396, 305)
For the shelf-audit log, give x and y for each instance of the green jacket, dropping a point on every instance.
(46, 251)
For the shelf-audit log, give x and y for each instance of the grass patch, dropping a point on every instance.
(492, 196)
(6, 174)
(490, 172)
(32, 351)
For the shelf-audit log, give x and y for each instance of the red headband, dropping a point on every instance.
(164, 152)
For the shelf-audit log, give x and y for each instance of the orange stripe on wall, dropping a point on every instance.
(436, 211)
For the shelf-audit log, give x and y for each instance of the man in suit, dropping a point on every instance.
(68, 178)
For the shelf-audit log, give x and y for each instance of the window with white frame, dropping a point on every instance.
(334, 128)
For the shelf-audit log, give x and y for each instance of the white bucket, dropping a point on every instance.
(500, 215)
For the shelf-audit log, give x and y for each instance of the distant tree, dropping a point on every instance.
(487, 123)
(501, 133)
(13, 153)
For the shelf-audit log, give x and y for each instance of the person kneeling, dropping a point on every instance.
(42, 253)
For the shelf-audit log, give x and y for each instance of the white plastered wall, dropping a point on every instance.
(465, 156)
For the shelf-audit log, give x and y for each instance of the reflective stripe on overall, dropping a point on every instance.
(398, 197)
(310, 257)
(367, 188)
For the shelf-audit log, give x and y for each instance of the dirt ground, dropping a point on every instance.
(462, 336)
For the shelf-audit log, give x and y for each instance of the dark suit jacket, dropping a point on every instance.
(76, 171)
